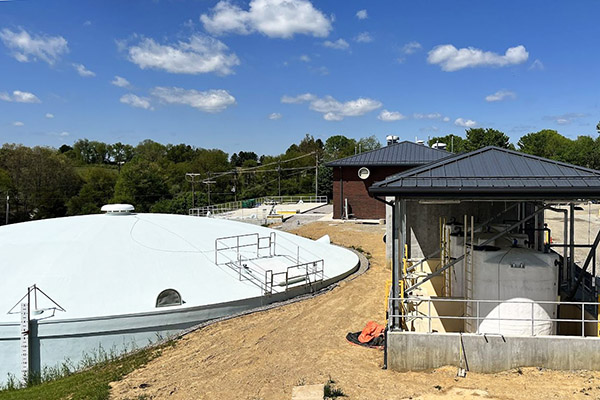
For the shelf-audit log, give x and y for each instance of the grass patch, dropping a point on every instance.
(332, 391)
(92, 383)
(365, 253)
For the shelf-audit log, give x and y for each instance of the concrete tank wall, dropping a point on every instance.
(412, 351)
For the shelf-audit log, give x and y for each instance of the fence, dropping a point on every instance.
(222, 208)
(424, 309)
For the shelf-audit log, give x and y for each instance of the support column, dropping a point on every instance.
(395, 264)
(571, 245)
(399, 242)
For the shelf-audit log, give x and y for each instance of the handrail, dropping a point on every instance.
(478, 317)
(221, 208)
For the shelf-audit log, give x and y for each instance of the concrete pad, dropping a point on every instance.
(308, 392)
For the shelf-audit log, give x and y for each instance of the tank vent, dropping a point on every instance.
(117, 209)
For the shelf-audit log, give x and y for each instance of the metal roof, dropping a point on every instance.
(404, 153)
(494, 173)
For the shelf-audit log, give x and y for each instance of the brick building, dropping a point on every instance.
(353, 175)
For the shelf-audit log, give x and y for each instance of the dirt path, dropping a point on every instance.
(263, 355)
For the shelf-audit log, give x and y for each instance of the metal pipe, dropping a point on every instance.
(453, 262)
(395, 265)
(572, 249)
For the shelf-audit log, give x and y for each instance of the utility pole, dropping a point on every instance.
(279, 177)
(191, 177)
(234, 189)
(316, 175)
(208, 182)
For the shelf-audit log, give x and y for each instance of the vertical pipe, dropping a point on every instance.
(316, 176)
(536, 232)
(395, 264)
(341, 193)
(571, 269)
(565, 276)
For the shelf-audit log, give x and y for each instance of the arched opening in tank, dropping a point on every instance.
(168, 297)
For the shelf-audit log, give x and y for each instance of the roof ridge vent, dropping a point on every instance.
(117, 209)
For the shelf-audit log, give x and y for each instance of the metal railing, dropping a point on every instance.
(303, 274)
(222, 208)
(249, 241)
(420, 308)
(242, 253)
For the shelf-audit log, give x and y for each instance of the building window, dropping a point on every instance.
(168, 297)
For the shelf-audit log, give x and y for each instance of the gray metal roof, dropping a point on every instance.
(398, 154)
(496, 173)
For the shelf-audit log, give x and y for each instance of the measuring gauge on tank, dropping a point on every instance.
(364, 173)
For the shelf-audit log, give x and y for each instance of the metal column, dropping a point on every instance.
(399, 242)
(571, 246)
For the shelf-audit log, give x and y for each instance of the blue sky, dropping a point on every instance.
(258, 75)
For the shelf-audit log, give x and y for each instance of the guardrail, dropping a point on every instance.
(420, 308)
(304, 273)
(223, 208)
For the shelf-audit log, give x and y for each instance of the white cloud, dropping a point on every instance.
(20, 97)
(64, 134)
(83, 71)
(120, 82)
(389, 116)
(87, 23)
(18, 123)
(320, 70)
(362, 14)
(339, 44)
(211, 101)
(200, 54)
(275, 116)
(136, 101)
(26, 47)
(332, 109)
(465, 123)
(273, 18)
(411, 47)
(500, 95)
(49, 116)
(427, 116)
(304, 58)
(536, 65)
(363, 37)
(446, 119)
(301, 98)
(565, 119)
(452, 59)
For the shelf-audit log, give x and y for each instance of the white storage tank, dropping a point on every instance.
(518, 278)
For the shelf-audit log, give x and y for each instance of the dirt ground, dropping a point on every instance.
(263, 355)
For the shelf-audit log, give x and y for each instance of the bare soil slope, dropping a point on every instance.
(263, 355)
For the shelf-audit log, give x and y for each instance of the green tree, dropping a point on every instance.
(339, 146)
(120, 154)
(142, 184)
(480, 137)
(369, 143)
(547, 143)
(97, 190)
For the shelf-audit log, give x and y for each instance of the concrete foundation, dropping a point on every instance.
(411, 351)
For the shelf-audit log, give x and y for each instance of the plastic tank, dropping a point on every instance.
(516, 277)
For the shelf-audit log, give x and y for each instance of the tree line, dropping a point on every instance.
(44, 182)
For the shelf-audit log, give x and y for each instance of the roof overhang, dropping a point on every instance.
(489, 193)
